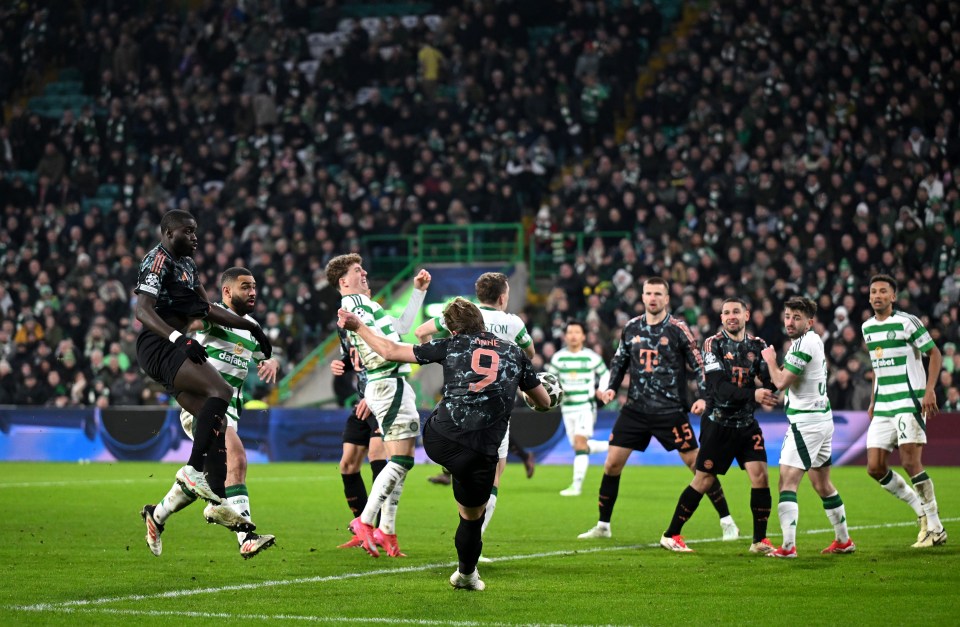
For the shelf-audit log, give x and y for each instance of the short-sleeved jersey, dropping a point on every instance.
(580, 374)
(231, 351)
(481, 374)
(895, 345)
(656, 356)
(349, 355)
(506, 326)
(173, 282)
(738, 362)
(806, 398)
(373, 315)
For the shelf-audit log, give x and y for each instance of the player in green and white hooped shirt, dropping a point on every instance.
(493, 292)
(903, 401)
(231, 352)
(807, 445)
(581, 372)
(388, 394)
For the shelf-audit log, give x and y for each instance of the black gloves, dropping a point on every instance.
(263, 341)
(193, 349)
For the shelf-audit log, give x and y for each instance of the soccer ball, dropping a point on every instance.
(552, 385)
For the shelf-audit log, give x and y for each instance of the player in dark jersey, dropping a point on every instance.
(361, 436)
(481, 374)
(729, 430)
(170, 296)
(656, 348)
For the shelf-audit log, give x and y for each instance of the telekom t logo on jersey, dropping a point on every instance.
(648, 358)
(739, 375)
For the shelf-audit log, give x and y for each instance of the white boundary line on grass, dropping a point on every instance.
(96, 482)
(87, 605)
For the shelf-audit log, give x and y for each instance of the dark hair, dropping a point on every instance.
(174, 218)
(490, 286)
(802, 304)
(735, 299)
(338, 266)
(463, 317)
(884, 278)
(655, 280)
(232, 274)
(575, 323)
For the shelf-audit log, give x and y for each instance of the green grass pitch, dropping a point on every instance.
(73, 552)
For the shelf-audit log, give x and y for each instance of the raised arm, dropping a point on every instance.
(404, 323)
(385, 347)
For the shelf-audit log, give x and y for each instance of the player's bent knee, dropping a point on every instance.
(877, 471)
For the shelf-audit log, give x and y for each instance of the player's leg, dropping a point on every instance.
(355, 439)
(717, 497)
(209, 443)
(491, 505)
(609, 489)
(527, 457)
(882, 437)
(580, 422)
(911, 458)
(377, 456)
(687, 504)
(760, 505)
(834, 509)
(238, 498)
(788, 510)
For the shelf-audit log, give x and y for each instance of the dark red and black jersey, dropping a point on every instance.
(481, 373)
(657, 357)
(173, 282)
(732, 367)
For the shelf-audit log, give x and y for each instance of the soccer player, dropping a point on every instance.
(902, 403)
(656, 348)
(808, 443)
(361, 436)
(389, 396)
(169, 298)
(493, 292)
(582, 374)
(481, 374)
(729, 430)
(230, 351)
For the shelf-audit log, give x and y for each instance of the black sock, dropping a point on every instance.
(609, 488)
(469, 543)
(760, 505)
(206, 430)
(216, 462)
(355, 492)
(377, 467)
(719, 500)
(687, 504)
(514, 447)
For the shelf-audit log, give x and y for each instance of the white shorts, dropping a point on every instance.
(186, 421)
(394, 403)
(504, 444)
(807, 445)
(579, 420)
(889, 433)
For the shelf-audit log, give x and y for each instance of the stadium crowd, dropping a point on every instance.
(784, 148)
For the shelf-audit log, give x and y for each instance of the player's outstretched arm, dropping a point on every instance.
(385, 347)
(404, 323)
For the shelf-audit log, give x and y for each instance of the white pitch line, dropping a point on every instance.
(97, 482)
(172, 594)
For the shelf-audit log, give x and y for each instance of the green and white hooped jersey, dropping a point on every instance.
(230, 351)
(373, 315)
(580, 374)
(806, 398)
(895, 345)
(506, 326)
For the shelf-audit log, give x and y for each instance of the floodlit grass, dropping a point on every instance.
(73, 552)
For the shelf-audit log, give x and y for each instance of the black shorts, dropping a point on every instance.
(633, 430)
(473, 473)
(159, 358)
(720, 445)
(359, 432)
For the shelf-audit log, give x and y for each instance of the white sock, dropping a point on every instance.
(241, 505)
(789, 513)
(581, 462)
(924, 487)
(388, 515)
(895, 485)
(837, 515)
(175, 500)
(598, 446)
(382, 488)
(488, 512)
